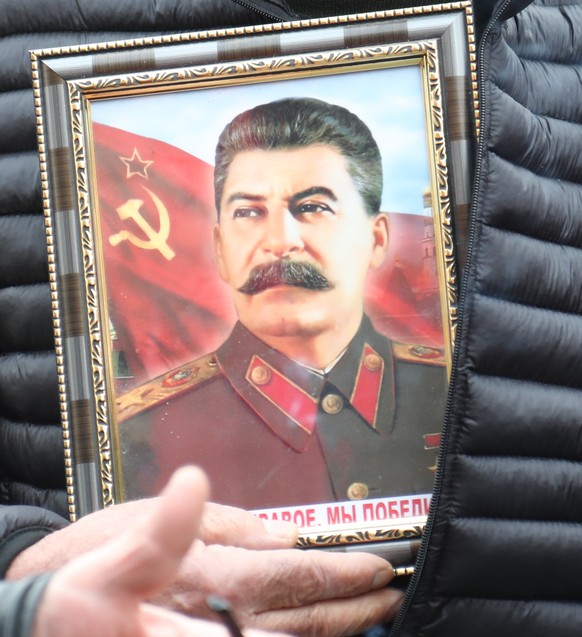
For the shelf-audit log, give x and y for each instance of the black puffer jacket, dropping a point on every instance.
(506, 538)
(502, 550)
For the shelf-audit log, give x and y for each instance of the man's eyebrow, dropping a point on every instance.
(236, 196)
(302, 194)
(314, 190)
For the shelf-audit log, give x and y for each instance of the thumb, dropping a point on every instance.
(144, 559)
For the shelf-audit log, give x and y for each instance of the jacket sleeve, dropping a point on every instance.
(19, 603)
(22, 526)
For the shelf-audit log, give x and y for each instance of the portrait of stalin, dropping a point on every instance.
(305, 401)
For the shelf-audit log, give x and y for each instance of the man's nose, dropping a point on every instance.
(282, 234)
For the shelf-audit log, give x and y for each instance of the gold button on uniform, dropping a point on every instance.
(372, 362)
(332, 404)
(260, 375)
(358, 491)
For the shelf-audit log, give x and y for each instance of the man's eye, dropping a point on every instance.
(247, 211)
(311, 207)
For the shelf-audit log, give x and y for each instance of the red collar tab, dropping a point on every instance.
(366, 394)
(295, 403)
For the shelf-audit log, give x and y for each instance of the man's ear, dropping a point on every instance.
(217, 242)
(381, 235)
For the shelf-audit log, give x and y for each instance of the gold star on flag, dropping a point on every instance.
(136, 165)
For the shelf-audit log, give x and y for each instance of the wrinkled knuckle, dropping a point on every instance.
(315, 583)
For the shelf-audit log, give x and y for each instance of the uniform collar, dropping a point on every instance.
(288, 396)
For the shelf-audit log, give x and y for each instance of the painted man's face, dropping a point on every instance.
(295, 243)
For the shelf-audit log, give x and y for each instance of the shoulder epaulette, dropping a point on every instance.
(415, 353)
(166, 386)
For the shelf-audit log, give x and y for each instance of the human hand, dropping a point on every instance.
(102, 591)
(303, 592)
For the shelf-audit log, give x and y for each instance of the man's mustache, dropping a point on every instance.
(292, 273)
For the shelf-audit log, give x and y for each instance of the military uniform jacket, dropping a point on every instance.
(271, 432)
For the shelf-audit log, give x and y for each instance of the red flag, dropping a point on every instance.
(167, 303)
(156, 213)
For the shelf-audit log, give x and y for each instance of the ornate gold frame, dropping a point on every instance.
(66, 81)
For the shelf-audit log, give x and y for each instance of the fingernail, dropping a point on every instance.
(383, 577)
(284, 530)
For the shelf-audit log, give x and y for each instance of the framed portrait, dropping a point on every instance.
(255, 238)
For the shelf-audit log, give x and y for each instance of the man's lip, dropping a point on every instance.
(285, 287)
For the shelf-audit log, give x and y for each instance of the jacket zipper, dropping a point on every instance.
(476, 180)
(282, 17)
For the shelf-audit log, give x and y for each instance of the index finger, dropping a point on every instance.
(222, 524)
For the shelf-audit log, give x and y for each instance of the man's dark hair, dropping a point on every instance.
(297, 123)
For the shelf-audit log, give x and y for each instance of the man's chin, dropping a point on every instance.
(287, 320)
(288, 328)
(285, 311)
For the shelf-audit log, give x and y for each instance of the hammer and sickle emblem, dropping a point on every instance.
(155, 240)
